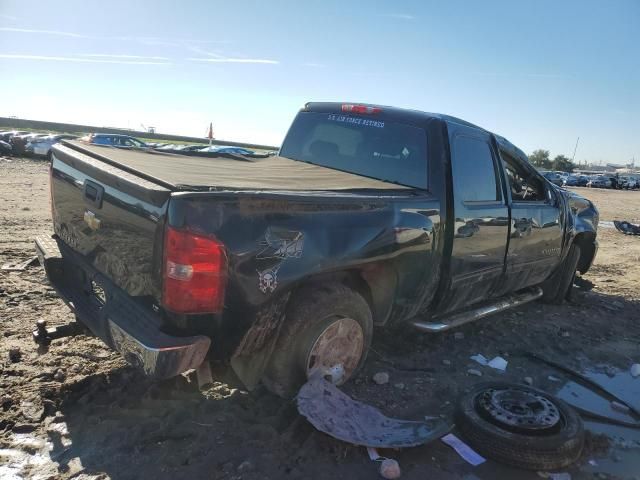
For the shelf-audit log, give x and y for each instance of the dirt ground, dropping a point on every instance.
(78, 411)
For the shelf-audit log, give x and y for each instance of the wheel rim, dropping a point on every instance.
(519, 410)
(340, 343)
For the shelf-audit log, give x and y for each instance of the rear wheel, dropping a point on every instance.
(325, 326)
(520, 426)
(558, 286)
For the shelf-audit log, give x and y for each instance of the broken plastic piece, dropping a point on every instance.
(19, 266)
(333, 412)
(464, 450)
(498, 363)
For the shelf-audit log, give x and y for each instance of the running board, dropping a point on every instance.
(502, 303)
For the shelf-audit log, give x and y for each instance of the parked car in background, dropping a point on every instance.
(224, 149)
(599, 181)
(629, 183)
(114, 140)
(5, 148)
(553, 177)
(6, 136)
(42, 145)
(576, 181)
(189, 148)
(19, 142)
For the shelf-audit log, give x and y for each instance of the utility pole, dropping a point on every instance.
(574, 150)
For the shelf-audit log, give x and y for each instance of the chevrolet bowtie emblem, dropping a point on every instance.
(91, 220)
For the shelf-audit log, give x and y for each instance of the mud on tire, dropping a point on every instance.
(541, 451)
(310, 312)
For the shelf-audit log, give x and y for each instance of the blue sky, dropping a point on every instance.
(540, 72)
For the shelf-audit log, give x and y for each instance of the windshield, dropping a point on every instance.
(384, 150)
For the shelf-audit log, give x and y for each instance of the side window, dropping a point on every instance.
(474, 173)
(525, 186)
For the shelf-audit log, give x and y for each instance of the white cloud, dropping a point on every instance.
(130, 57)
(78, 59)
(234, 60)
(11, 18)
(313, 65)
(45, 32)
(399, 16)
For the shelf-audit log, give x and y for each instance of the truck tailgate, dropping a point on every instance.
(113, 218)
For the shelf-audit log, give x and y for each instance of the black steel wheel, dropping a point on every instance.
(520, 426)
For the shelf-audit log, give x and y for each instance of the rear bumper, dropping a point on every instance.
(119, 320)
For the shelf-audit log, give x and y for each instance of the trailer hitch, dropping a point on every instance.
(43, 335)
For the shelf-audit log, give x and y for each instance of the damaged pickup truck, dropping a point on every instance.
(369, 217)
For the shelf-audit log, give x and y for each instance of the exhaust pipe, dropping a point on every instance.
(503, 303)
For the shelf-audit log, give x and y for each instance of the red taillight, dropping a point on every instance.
(362, 109)
(194, 272)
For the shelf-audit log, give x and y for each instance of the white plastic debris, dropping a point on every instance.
(464, 450)
(481, 359)
(635, 370)
(373, 454)
(498, 363)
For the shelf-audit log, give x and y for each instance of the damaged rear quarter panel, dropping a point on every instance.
(277, 241)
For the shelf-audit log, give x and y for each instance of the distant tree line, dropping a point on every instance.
(540, 158)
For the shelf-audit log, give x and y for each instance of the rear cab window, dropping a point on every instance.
(364, 145)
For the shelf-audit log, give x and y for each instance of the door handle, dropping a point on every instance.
(92, 193)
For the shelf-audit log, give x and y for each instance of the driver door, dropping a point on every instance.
(536, 226)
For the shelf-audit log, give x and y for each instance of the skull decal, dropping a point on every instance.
(268, 279)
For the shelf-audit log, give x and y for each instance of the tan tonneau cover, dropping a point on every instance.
(271, 173)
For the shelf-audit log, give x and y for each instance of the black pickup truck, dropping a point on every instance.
(368, 217)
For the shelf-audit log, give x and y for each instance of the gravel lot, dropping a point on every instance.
(78, 411)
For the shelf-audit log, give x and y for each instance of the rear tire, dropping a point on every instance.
(317, 316)
(558, 286)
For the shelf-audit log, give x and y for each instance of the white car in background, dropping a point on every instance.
(42, 145)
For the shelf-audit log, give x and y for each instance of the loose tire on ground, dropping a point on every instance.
(311, 312)
(558, 287)
(548, 450)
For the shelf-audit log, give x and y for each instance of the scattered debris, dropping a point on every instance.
(15, 354)
(59, 375)
(381, 378)
(528, 380)
(473, 371)
(245, 466)
(19, 266)
(458, 335)
(389, 468)
(626, 227)
(446, 362)
(399, 386)
(635, 370)
(555, 476)
(464, 450)
(610, 371)
(498, 363)
(333, 412)
(553, 378)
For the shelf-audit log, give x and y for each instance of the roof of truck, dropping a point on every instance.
(271, 173)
